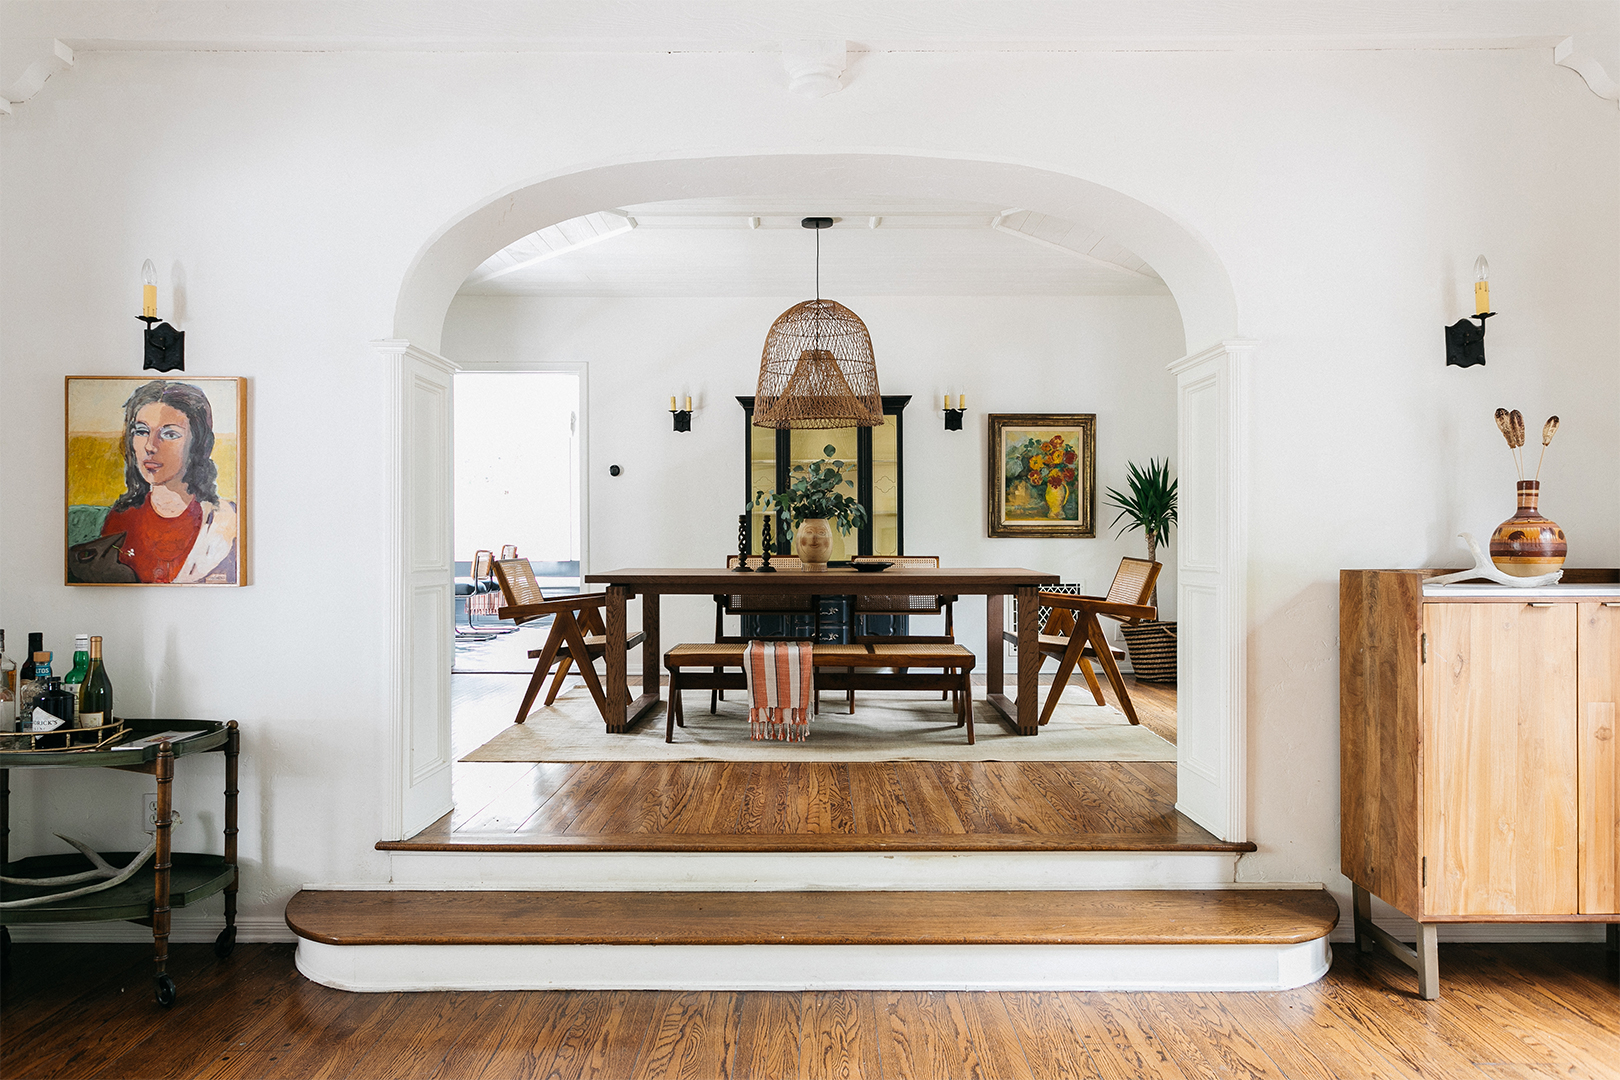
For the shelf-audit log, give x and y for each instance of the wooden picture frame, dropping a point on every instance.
(1043, 474)
(155, 485)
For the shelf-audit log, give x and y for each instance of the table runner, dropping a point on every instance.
(779, 689)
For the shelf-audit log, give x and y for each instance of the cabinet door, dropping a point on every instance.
(1499, 759)
(1599, 679)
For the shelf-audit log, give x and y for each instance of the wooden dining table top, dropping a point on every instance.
(834, 579)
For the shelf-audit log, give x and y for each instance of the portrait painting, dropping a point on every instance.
(1043, 471)
(154, 480)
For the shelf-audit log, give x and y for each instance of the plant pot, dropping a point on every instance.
(1527, 544)
(814, 542)
(1152, 646)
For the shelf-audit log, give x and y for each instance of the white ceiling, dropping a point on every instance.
(719, 247)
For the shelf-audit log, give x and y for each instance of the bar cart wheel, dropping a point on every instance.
(165, 990)
(225, 943)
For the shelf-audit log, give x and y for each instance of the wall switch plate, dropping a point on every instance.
(149, 812)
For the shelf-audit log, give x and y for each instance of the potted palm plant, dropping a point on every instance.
(813, 503)
(1150, 506)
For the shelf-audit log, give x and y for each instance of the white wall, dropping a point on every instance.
(677, 499)
(284, 197)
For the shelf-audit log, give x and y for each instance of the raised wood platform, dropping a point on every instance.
(1144, 939)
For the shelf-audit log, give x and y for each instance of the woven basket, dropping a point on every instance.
(1152, 646)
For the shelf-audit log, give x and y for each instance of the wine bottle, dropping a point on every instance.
(95, 694)
(81, 664)
(35, 672)
(8, 688)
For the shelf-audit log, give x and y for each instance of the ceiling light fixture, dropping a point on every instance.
(817, 370)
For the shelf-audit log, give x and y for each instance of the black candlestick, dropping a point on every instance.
(742, 566)
(765, 544)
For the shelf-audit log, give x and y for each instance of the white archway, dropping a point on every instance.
(1210, 393)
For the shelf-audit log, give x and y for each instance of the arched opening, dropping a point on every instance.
(1209, 417)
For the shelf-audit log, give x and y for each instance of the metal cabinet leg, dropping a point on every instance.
(1361, 902)
(1428, 960)
(161, 866)
(226, 941)
(1612, 935)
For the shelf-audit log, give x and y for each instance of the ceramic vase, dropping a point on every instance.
(814, 543)
(1056, 496)
(1528, 544)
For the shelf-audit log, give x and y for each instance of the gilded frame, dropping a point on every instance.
(1052, 489)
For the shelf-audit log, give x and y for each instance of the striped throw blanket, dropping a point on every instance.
(779, 689)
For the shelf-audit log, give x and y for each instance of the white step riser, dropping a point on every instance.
(755, 871)
(385, 968)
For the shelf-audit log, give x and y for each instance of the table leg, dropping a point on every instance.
(618, 658)
(995, 649)
(226, 941)
(651, 651)
(1023, 715)
(161, 866)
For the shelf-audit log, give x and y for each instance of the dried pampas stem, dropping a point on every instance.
(1548, 430)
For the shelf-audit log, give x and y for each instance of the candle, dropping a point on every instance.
(1482, 286)
(688, 402)
(947, 403)
(149, 289)
(961, 401)
(672, 403)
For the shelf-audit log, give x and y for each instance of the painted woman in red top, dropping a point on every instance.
(176, 528)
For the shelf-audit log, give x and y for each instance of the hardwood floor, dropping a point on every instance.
(847, 806)
(1505, 1011)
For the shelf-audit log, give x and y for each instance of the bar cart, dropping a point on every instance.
(169, 879)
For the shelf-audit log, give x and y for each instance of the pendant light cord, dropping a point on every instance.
(818, 266)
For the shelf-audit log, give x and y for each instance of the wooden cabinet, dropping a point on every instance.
(1478, 772)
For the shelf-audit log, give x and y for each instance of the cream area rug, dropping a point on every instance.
(886, 726)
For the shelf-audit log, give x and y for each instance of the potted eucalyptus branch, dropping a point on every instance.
(1149, 506)
(813, 503)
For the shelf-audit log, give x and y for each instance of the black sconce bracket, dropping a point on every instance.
(1465, 342)
(165, 346)
(683, 419)
(953, 419)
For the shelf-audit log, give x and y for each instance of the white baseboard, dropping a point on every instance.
(755, 871)
(386, 968)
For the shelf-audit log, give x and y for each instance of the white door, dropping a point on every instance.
(1210, 590)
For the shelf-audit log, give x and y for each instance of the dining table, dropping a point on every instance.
(1021, 714)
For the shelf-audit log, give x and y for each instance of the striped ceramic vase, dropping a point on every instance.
(1527, 544)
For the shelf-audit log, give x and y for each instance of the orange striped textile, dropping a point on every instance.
(779, 689)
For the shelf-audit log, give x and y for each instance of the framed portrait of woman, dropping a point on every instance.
(1043, 474)
(154, 480)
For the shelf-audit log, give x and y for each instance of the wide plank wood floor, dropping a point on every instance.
(1516, 1011)
(803, 806)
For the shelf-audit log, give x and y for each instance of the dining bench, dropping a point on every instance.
(719, 666)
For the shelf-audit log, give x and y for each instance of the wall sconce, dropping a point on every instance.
(1465, 342)
(953, 417)
(165, 346)
(683, 417)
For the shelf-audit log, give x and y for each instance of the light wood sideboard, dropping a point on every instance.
(1479, 778)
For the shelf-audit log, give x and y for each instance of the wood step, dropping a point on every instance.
(1138, 939)
(1122, 917)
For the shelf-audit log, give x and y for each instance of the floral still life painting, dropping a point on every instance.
(1043, 471)
(154, 481)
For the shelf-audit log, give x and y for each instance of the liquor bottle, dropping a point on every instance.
(81, 664)
(95, 695)
(8, 688)
(53, 702)
(34, 673)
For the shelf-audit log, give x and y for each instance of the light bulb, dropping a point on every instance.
(148, 273)
(1482, 286)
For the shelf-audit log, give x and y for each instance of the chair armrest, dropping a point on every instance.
(525, 612)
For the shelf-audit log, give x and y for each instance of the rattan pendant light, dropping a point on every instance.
(816, 370)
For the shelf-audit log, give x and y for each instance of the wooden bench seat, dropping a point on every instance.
(836, 667)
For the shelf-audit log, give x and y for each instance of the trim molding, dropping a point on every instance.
(59, 59)
(1587, 66)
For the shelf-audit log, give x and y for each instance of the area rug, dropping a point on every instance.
(887, 726)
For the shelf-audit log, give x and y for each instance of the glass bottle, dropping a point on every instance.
(56, 702)
(95, 694)
(35, 672)
(8, 688)
(81, 664)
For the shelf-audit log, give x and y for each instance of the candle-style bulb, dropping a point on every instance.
(1482, 269)
(688, 402)
(148, 290)
(1482, 286)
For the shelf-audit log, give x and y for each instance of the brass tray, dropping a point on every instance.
(30, 742)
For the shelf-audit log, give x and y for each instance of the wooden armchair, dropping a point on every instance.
(578, 632)
(1074, 636)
